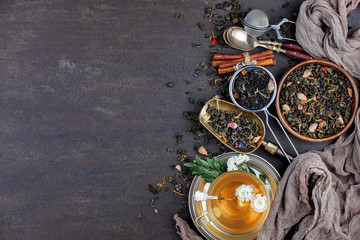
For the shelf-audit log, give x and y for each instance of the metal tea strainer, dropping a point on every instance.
(264, 109)
(256, 23)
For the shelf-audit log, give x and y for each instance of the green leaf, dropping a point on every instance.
(224, 166)
(217, 166)
(190, 164)
(209, 169)
(209, 179)
(197, 158)
(246, 167)
(211, 163)
(262, 178)
(196, 169)
(203, 163)
(217, 160)
(251, 170)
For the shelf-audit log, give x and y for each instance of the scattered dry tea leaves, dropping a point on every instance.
(170, 84)
(179, 16)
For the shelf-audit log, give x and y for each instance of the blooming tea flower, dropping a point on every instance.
(259, 203)
(236, 160)
(244, 193)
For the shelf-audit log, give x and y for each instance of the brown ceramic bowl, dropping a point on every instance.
(328, 64)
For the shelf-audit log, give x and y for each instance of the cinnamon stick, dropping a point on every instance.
(237, 56)
(217, 63)
(266, 62)
(231, 63)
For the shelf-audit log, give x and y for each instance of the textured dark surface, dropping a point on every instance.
(86, 116)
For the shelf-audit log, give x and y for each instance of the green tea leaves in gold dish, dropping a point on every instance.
(240, 131)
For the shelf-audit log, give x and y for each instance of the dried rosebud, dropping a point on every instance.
(178, 167)
(285, 108)
(256, 139)
(307, 73)
(218, 97)
(322, 124)
(202, 151)
(232, 125)
(302, 96)
(341, 120)
(300, 107)
(271, 85)
(313, 127)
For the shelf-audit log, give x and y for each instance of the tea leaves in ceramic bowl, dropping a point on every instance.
(317, 100)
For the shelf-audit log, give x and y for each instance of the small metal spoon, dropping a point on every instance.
(237, 37)
(204, 197)
(224, 198)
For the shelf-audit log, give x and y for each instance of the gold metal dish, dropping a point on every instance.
(226, 106)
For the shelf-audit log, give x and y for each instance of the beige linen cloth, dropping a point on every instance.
(322, 29)
(319, 194)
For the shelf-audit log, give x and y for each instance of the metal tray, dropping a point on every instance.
(198, 209)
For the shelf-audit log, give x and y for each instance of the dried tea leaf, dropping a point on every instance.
(196, 45)
(154, 190)
(170, 84)
(170, 149)
(285, 5)
(201, 26)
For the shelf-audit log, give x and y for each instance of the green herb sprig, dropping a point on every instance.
(209, 169)
(245, 167)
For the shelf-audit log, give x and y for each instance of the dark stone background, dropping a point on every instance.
(86, 116)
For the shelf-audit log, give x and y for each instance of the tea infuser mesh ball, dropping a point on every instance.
(254, 20)
(256, 23)
(265, 108)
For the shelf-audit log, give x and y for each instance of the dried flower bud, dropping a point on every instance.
(307, 73)
(322, 124)
(218, 97)
(202, 151)
(350, 92)
(232, 125)
(256, 139)
(285, 108)
(178, 167)
(302, 96)
(271, 85)
(300, 107)
(341, 120)
(313, 127)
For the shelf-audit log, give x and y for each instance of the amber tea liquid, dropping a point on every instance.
(234, 216)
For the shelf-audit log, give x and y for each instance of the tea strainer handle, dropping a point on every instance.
(277, 29)
(239, 65)
(267, 113)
